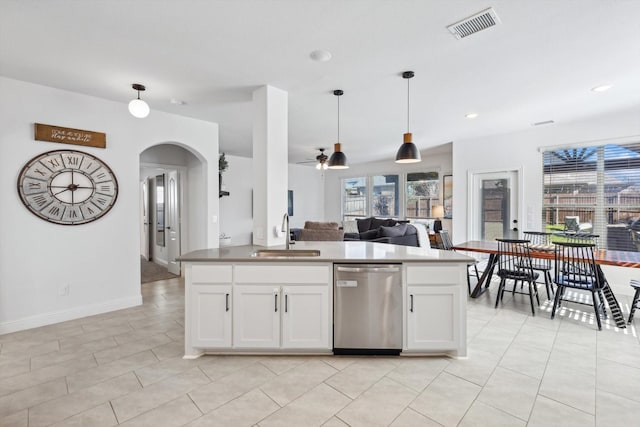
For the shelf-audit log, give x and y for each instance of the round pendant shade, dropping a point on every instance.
(138, 108)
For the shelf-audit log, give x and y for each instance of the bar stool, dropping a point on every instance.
(636, 298)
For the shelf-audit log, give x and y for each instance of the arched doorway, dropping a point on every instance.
(165, 173)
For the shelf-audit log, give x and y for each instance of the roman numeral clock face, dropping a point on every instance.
(67, 187)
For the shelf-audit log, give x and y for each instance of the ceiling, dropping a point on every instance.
(539, 64)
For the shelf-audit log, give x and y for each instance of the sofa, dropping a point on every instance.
(320, 231)
(383, 231)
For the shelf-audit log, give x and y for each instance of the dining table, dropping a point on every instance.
(602, 257)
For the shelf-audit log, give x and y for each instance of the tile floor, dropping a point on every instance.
(125, 368)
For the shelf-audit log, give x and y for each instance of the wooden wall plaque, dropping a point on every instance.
(70, 136)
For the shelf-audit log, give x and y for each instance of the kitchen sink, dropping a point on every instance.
(286, 253)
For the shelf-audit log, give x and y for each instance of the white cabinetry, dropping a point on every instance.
(209, 323)
(436, 308)
(256, 319)
(282, 306)
(306, 317)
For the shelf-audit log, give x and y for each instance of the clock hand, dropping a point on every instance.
(61, 191)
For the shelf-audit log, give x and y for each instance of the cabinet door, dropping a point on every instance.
(211, 318)
(433, 317)
(256, 316)
(305, 317)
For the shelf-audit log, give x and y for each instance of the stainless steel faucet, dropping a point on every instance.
(285, 228)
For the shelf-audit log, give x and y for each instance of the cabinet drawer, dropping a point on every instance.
(282, 274)
(433, 275)
(211, 274)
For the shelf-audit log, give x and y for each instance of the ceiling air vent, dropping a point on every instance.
(471, 25)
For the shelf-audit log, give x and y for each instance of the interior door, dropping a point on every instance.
(494, 205)
(144, 219)
(173, 222)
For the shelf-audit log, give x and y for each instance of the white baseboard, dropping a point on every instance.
(71, 314)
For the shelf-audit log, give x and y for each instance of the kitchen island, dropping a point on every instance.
(241, 301)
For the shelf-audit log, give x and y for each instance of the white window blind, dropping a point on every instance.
(594, 190)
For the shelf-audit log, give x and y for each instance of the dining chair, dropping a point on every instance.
(575, 268)
(514, 263)
(447, 245)
(541, 241)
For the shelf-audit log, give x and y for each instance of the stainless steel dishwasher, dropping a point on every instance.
(367, 309)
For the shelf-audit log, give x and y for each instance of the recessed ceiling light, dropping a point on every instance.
(175, 101)
(471, 115)
(601, 88)
(320, 55)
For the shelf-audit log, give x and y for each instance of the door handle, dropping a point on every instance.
(411, 308)
(286, 303)
(369, 269)
(276, 303)
(226, 297)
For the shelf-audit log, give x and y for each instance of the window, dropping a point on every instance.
(594, 190)
(423, 193)
(385, 197)
(354, 199)
(381, 195)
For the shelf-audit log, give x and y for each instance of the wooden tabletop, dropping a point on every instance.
(602, 256)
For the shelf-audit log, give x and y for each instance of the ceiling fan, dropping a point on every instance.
(321, 160)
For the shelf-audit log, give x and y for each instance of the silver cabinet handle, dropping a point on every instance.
(226, 297)
(369, 269)
(276, 303)
(411, 308)
(286, 303)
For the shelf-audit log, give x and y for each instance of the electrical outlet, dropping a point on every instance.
(63, 291)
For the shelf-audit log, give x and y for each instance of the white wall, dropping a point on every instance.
(434, 160)
(307, 184)
(236, 209)
(522, 150)
(99, 261)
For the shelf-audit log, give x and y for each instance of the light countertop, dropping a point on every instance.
(350, 251)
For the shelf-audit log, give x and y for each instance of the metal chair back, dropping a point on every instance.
(446, 240)
(514, 260)
(536, 238)
(575, 266)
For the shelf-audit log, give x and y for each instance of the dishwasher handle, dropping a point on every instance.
(369, 269)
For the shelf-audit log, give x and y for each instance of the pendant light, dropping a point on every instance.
(338, 160)
(137, 107)
(408, 152)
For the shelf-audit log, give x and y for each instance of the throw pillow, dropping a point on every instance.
(364, 224)
(350, 226)
(410, 230)
(377, 222)
(395, 231)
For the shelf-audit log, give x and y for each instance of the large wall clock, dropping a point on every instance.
(67, 187)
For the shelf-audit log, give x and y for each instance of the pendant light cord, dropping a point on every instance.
(408, 105)
(338, 119)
